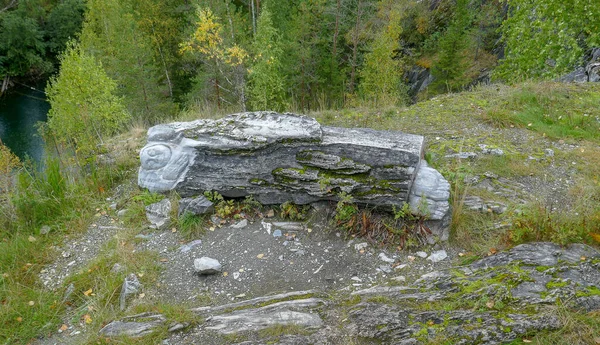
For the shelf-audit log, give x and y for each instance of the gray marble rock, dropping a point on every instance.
(131, 286)
(196, 206)
(134, 326)
(206, 265)
(287, 157)
(158, 214)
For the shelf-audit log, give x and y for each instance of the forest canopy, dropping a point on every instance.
(296, 55)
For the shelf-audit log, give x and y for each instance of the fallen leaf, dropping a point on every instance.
(31, 303)
(526, 341)
(430, 323)
(173, 230)
(212, 228)
(270, 213)
(597, 340)
(260, 256)
(31, 239)
(88, 292)
(87, 318)
(595, 236)
(493, 250)
(19, 319)
(142, 295)
(164, 260)
(583, 258)
(490, 304)
(309, 230)
(63, 327)
(225, 274)
(140, 275)
(461, 254)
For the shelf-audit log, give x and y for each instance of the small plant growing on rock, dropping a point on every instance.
(292, 211)
(345, 210)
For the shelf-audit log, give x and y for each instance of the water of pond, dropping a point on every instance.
(20, 110)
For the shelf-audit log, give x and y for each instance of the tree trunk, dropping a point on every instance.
(355, 48)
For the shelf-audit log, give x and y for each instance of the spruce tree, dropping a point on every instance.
(265, 79)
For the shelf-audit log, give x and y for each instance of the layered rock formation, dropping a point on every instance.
(286, 157)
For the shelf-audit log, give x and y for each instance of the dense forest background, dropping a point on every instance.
(148, 59)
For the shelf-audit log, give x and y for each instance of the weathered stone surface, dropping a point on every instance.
(133, 326)
(281, 313)
(432, 191)
(393, 324)
(287, 157)
(196, 206)
(206, 265)
(158, 214)
(131, 286)
(494, 300)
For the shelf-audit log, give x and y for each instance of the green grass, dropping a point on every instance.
(555, 110)
(65, 199)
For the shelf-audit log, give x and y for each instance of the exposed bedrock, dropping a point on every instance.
(287, 157)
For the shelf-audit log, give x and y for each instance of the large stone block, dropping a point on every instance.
(286, 157)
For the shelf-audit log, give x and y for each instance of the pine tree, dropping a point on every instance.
(266, 80)
(449, 68)
(111, 34)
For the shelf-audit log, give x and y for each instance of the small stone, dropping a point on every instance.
(490, 174)
(144, 237)
(44, 230)
(422, 254)
(117, 268)
(361, 246)
(260, 256)
(236, 275)
(158, 214)
(241, 224)
(206, 265)
(438, 256)
(356, 279)
(178, 326)
(196, 206)
(187, 247)
(463, 155)
(385, 268)
(277, 233)
(113, 206)
(385, 258)
(121, 213)
(267, 227)
(400, 279)
(131, 286)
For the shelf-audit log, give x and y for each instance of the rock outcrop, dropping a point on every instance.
(588, 72)
(286, 157)
(494, 300)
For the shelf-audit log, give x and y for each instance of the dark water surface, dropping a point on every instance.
(20, 110)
